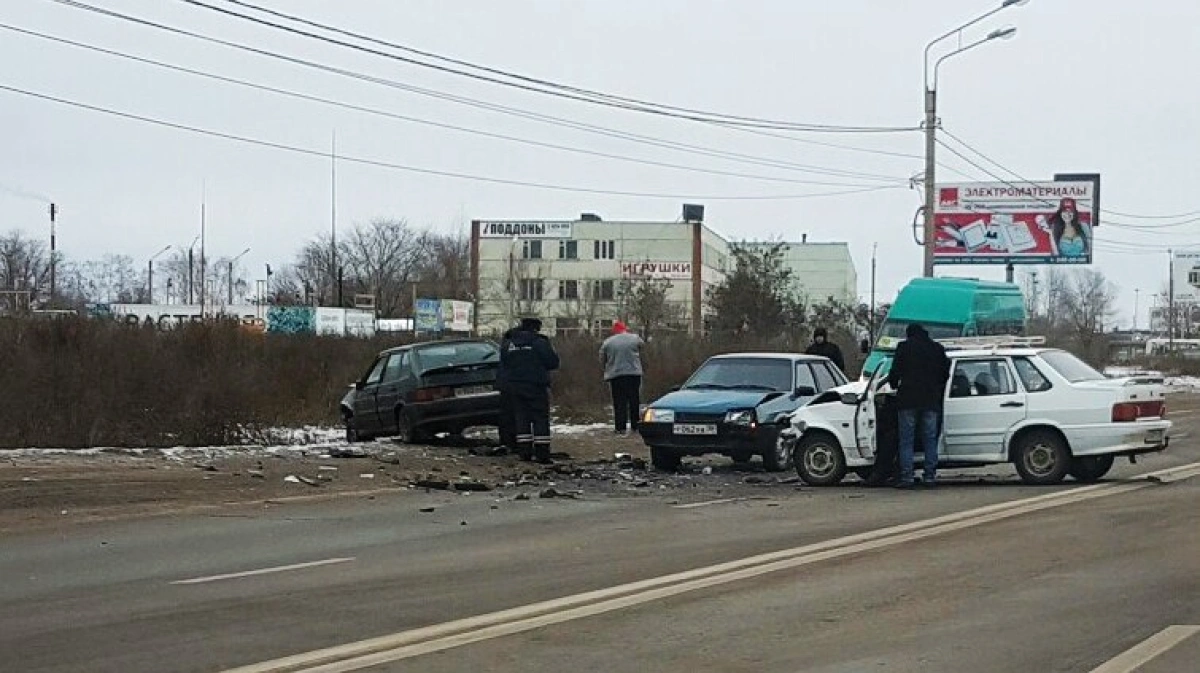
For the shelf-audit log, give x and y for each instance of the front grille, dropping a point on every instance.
(684, 417)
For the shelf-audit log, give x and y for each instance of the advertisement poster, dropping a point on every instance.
(657, 270)
(1186, 267)
(428, 316)
(457, 316)
(1018, 223)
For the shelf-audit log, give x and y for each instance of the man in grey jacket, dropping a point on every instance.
(621, 356)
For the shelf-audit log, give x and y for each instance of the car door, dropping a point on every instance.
(397, 379)
(982, 402)
(364, 401)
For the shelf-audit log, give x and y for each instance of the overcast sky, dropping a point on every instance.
(1086, 85)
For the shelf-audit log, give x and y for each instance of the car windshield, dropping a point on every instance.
(1070, 367)
(435, 356)
(743, 374)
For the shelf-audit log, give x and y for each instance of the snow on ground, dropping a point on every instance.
(1174, 383)
(306, 441)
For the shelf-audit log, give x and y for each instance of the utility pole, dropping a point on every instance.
(1136, 292)
(1035, 294)
(203, 275)
(1171, 302)
(871, 320)
(930, 238)
(150, 277)
(53, 254)
(335, 280)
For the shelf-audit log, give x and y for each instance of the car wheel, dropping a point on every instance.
(406, 432)
(819, 460)
(1088, 469)
(1041, 458)
(779, 457)
(353, 434)
(664, 459)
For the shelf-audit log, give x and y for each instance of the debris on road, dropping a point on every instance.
(432, 484)
(257, 474)
(471, 486)
(521, 496)
(347, 452)
(367, 475)
(427, 510)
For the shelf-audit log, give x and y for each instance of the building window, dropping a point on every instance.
(605, 249)
(568, 249)
(568, 289)
(531, 250)
(563, 325)
(602, 326)
(531, 289)
(603, 290)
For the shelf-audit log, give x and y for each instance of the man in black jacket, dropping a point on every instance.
(919, 373)
(822, 346)
(527, 359)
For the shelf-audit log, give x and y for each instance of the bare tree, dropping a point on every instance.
(759, 294)
(444, 271)
(646, 302)
(383, 258)
(1082, 300)
(24, 272)
(113, 279)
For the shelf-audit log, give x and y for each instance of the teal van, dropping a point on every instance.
(950, 308)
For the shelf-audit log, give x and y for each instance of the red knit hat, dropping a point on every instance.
(619, 328)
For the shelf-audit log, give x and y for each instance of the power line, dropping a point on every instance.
(471, 102)
(417, 120)
(606, 100)
(324, 155)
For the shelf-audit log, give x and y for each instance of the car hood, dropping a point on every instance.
(712, 401)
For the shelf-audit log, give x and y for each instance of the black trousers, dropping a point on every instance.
(508, 419)
(532, 411)
(626, 399)
(887, 443)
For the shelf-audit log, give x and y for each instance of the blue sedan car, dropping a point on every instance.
(732, 405)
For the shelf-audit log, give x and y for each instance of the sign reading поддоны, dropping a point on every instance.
(525, 229)
(1019, 223)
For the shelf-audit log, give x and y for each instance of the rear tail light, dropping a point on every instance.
(1127, 412)
(432, 394)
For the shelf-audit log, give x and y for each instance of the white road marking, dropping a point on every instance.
(1189, 412)
(417, 642)
(706, 503)
(264, 571)
(1139, 655)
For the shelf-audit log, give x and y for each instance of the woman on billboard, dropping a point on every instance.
(1070, 239)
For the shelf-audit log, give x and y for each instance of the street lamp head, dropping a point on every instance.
(1013, 3)
(1002, 33)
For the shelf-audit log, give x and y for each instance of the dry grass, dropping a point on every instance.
(81, 383)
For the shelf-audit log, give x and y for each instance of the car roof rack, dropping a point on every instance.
(992, 342)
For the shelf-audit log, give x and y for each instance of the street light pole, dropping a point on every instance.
(931, 122)
(150, 274)
(231, 263)
(1136, 293)
(191, 271)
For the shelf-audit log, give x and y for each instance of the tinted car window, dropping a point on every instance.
(1070, 367)
(376, 371)
(1034, 380)
(981, 378)
(825, 380)
(397, 366)
(761, 373)
(451, 354)
(804, 376)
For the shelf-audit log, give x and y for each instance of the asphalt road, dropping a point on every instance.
(1065, 580)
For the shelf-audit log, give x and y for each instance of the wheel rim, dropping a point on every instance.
(1041, 459)
(819, 460)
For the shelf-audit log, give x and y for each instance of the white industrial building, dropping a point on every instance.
(574, 275)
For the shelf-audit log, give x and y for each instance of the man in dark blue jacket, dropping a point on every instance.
(527, 359)
(508, 421)
(920, 370)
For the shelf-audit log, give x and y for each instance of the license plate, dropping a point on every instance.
(695, 429)
(472, 391)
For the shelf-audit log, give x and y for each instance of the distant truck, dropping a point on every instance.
(949, 308)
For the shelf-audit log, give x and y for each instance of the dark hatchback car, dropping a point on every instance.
(417, 391)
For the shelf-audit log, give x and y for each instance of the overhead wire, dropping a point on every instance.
(418, 120)
(468, 101)
(324, 154)
(603, 100)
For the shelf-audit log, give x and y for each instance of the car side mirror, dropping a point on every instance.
(851, 398)
(358, 385)
(805, 391)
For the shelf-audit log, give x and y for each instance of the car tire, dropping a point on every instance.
(406, 433)
(1089, 469)
(779, 458)
(819, 459)
(353, 434)
(664, 459)
(1041, 458)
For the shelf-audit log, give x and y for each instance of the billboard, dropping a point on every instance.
(1017, 223)
(1186, 270)
(444, 315)
(428, 316)
(525, 229)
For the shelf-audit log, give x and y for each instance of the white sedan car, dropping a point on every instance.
(1042, 409)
